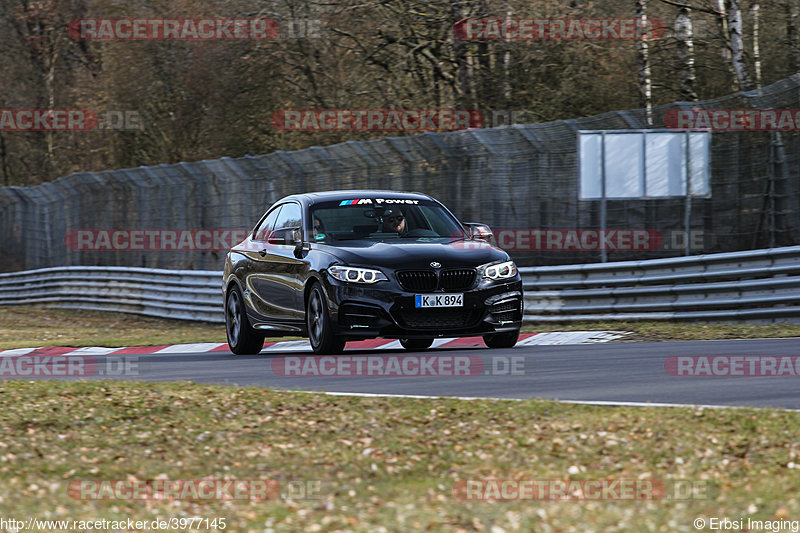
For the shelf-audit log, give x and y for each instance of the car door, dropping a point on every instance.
(278, 277)
(256, 291)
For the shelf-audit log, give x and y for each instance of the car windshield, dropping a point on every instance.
(383, 219)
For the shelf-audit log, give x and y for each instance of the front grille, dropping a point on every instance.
(437, 318)
(417, 280)
(426, 280)
(457, 280)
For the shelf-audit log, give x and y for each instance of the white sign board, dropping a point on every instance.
(644, 164)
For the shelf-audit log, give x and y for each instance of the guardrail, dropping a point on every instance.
(758, 285)
(181, 294)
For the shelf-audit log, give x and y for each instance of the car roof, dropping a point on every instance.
(327, 196)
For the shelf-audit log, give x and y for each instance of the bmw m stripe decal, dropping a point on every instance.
(366, 201)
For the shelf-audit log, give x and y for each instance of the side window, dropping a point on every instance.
(263, 230)
(290, 217)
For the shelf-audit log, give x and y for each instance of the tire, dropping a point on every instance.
(320, 326)
(502, 340)
(242, 339)
(416, 345)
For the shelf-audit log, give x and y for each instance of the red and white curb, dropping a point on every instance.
(525, 339)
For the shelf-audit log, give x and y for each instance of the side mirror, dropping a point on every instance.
(289, 236)
(277, 236)
(481, 232)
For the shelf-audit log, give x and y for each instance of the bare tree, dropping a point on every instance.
(792, 13)
(684, 32)
(505, 60)
(722, 18)
(464, 84)
(755, 12)
(645, 76)
(736, 43)
(38, 40)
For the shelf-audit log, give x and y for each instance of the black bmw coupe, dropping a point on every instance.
(349, 265)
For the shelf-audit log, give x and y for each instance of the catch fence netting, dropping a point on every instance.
(522, 180)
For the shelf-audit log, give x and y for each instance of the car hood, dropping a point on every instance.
(414, 254)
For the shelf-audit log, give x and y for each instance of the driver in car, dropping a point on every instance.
(394, 221)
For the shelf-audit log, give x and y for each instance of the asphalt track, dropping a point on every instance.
(615, 372)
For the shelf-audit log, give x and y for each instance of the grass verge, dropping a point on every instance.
(32, 326)
(386, 464)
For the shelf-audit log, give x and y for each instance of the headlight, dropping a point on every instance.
(356, 275)
(500, 270)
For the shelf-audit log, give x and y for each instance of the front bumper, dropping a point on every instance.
(386, 310)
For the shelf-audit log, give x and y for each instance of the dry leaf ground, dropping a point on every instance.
(387, 464)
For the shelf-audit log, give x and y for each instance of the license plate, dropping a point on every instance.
(438, 300)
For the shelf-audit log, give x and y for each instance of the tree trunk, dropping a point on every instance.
(755, 12)
(505, 91)
(50, 84)
(685, 34)
(792, 14)
(488, 86)
(736, 33)
(722, 18)
(645, 80)
(463, 85)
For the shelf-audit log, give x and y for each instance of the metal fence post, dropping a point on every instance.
(687, 217)
(603, 200)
